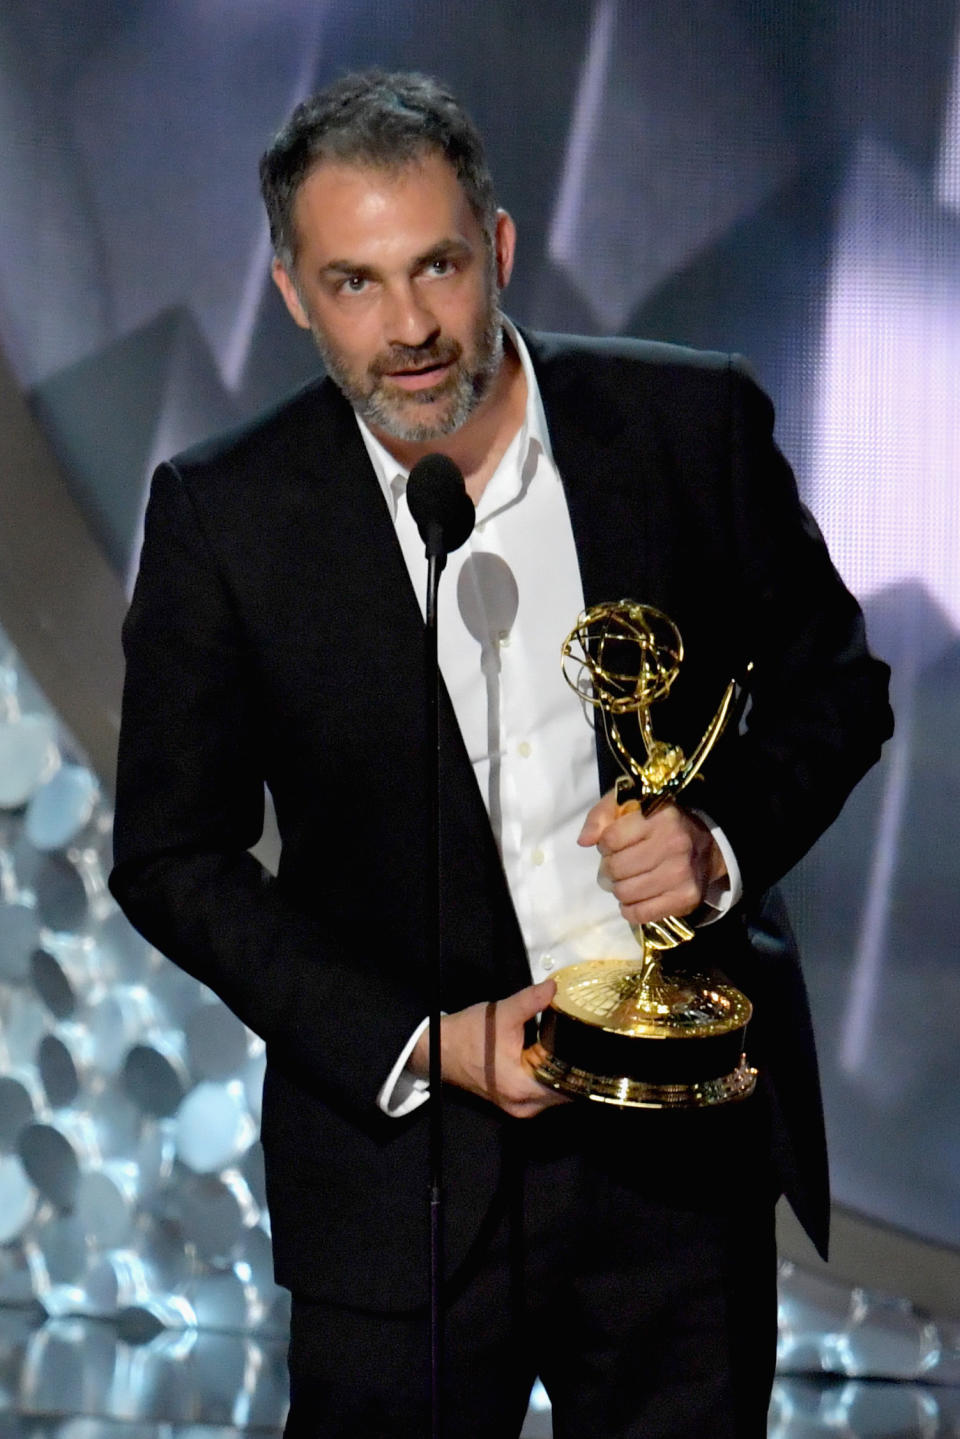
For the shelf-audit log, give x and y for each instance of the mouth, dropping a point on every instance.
(423, 378)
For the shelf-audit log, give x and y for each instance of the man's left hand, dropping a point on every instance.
(655, 864)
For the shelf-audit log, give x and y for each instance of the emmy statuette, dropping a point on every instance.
(629, 1032)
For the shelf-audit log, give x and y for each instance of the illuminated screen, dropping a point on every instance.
(782, 180)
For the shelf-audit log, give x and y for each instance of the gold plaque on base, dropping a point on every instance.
(631, 1033)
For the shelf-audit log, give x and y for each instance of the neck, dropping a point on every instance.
(479, 444)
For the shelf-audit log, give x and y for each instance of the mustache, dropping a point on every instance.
(419, 357)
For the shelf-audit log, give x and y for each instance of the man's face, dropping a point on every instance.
(400, 289)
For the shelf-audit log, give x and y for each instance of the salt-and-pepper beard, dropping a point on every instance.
(466, 385)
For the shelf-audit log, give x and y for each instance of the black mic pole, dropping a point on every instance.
(445, 516)
(436, 560)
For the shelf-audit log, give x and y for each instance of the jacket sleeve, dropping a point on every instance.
(189, 806)
(818, 711)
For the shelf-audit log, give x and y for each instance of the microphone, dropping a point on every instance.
(438, 500)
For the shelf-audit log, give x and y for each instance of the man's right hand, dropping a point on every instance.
(481, 1050)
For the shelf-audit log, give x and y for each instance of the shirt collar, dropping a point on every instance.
(392, 476)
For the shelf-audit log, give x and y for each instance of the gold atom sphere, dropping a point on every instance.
(622, 656)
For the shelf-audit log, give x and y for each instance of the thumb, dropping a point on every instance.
(523, 1005)
(604, 812)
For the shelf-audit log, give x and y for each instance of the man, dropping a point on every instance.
(275, 637)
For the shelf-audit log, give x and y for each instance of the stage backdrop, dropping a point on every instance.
(780, 179)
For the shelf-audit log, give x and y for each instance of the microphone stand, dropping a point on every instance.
(436, 559)
(444, 515)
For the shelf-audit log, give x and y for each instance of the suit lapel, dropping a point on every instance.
(383, 619)
(608, 478)
(608, 447)
(356, 520)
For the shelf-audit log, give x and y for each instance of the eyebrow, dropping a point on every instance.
(345, 267)
(440, 251)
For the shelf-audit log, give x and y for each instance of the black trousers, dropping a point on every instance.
(631, 1264)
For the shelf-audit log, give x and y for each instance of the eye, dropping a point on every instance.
(354, 284)
(441, 266)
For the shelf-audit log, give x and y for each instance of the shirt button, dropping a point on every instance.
(479, 527)
(503, 639)
(538, 856)
(546, 961)
(525, 749)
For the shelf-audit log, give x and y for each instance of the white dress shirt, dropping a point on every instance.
(507, 599)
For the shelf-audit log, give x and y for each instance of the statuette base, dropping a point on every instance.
(633, 1036)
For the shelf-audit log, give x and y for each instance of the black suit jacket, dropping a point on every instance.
(274, 638)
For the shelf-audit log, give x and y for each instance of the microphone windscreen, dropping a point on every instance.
(437, 496)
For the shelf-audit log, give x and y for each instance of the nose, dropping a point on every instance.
(408, 320)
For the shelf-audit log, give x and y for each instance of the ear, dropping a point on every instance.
(283, 282)
(505, 244)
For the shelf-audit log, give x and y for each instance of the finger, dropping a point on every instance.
(637, 861)
(546, 1099)
(627, 829)
(534, 1098)
(525, 1096)
(671, 855)
(680, 901)
(532, 1058)
(664, 825)
(638, 843)
(603, 813)
(518, 1008)
(529, 1109)
(518, 1091)
(672, 876)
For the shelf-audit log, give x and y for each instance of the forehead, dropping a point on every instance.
(348, 210)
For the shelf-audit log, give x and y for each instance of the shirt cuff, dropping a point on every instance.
(403, 1092)
(723, 893)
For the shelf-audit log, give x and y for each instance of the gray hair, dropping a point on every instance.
(374, 118)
